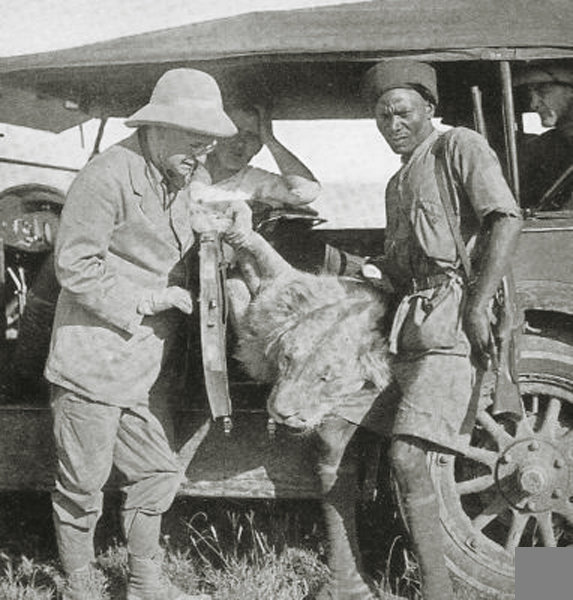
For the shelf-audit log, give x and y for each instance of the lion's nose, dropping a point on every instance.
(280, 406)
(294, 422)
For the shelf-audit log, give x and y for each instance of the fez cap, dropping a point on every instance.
(543, 73)
(401, 73)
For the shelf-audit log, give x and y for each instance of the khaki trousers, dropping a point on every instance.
(90, 438)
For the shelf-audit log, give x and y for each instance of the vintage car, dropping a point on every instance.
(514, 486)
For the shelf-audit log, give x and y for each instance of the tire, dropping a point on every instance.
(512, 488)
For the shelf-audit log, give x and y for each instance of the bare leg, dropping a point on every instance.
(420, 505)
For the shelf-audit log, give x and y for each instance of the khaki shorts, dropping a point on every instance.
(436, 399)
(430, 398)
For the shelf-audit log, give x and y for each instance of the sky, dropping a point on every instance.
(29, 26)
(348, 157)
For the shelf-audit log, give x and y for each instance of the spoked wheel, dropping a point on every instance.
(513, 487)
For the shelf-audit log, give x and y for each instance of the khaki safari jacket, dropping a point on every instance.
(121, 236)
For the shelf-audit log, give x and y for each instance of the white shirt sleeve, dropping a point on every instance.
(277, 190)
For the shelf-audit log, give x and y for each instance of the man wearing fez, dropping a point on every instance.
(442, 326)
(125, 229)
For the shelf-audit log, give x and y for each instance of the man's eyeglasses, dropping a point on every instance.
(198, 149)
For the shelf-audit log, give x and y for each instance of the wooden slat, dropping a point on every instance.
(247, 463)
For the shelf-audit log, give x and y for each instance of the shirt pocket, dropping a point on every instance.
(432, 229)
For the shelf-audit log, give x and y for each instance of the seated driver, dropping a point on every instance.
(545, 158)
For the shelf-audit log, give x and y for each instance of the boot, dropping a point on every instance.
(146, 582)
(83, 584)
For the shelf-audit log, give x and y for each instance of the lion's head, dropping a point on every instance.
(319, 340)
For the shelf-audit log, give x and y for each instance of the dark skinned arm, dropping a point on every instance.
(502, 241)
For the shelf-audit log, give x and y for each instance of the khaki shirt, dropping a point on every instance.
(121, 235)
(431, 393)
(418, 240)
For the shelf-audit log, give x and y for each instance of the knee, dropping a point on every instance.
(81, 479)
(408, 457)
(80, 510)
(153, 494)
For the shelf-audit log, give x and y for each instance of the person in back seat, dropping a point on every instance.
(229, 169)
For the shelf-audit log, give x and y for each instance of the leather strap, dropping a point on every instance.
(430, 281)
(213, 320)
(445, 180)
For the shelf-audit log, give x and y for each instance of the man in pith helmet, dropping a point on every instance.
(126, 227)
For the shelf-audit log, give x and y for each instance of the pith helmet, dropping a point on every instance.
(401, 73)
(187, 99)
(543, 73)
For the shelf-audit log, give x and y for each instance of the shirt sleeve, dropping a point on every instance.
(278, 189)
(82, 259)
(480, 174)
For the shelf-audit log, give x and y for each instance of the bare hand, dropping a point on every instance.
(170, 297)
(477, 326)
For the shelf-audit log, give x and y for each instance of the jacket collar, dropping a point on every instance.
(142, 172)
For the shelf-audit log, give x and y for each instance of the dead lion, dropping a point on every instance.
(318, 340)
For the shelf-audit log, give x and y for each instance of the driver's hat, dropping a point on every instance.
(543, 73)
(186, 99)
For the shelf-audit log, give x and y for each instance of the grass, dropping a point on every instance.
(260, 550)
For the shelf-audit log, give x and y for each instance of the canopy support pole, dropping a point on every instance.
(509, 127)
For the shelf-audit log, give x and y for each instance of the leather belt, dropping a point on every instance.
(416, 284)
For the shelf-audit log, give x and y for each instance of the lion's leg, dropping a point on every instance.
(239, 300)
(250, 272)
(257, 254)
(338, 472)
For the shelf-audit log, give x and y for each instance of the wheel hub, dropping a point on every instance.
(532, 474)
(532, 480)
